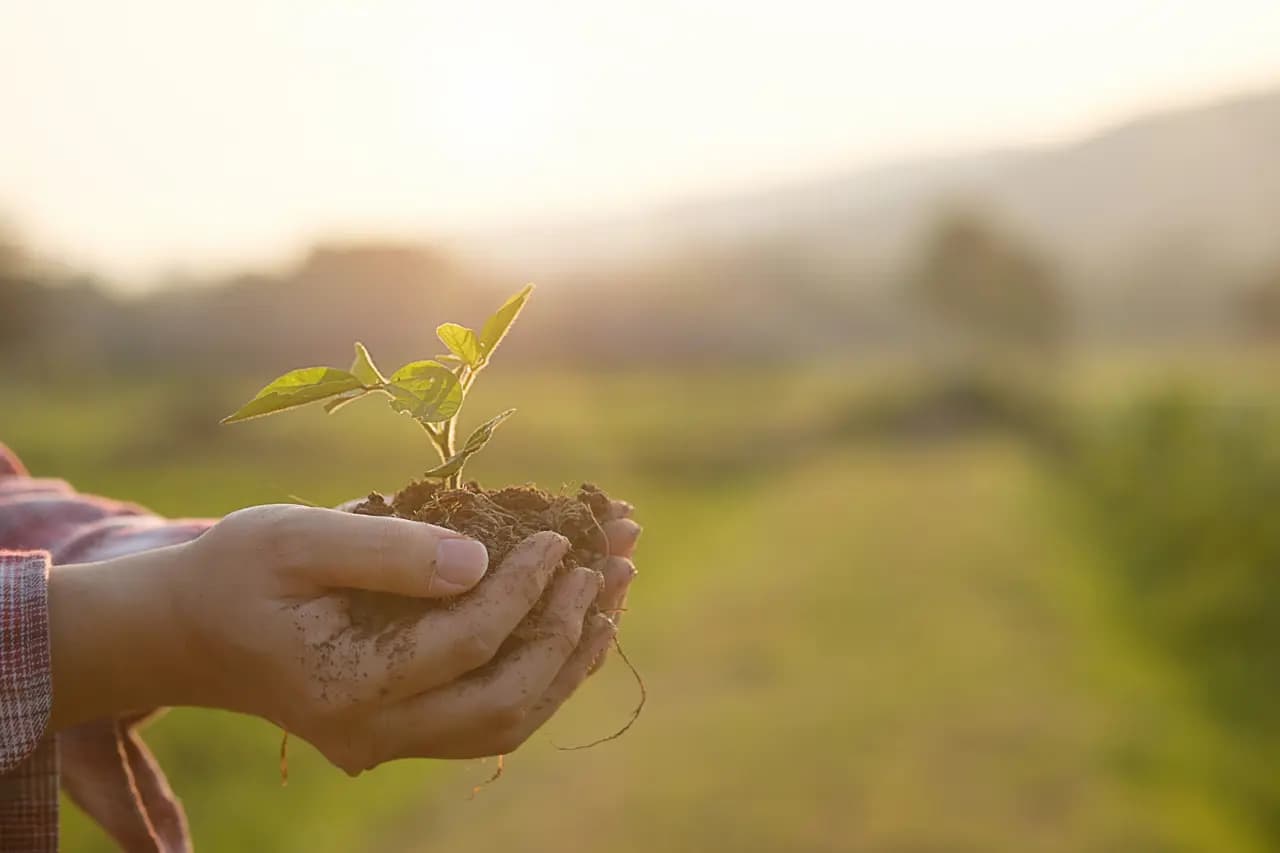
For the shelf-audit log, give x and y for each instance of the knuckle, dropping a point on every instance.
(350, 766)
(473, 649)
(530, 564)
(399, 544)
(589, 578)
(235, 529)
(602, 624)
(506, 715)
(621, 568)
(563, 632)
(340, 752)
(598, 662)
(277, 531)
(524, 586)
(291, 539)
(355, 755)
(606, 629)
(510, 741)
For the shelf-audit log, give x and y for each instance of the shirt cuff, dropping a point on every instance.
(26, 683)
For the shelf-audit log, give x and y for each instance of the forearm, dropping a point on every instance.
(115, 642)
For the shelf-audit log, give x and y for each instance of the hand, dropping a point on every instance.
(532, 710)
(253, 617)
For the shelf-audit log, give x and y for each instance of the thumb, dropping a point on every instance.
(340, 549)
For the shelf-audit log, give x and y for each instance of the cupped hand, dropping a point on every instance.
(254, 616)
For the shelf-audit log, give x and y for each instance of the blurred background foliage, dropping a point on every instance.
(959, 480)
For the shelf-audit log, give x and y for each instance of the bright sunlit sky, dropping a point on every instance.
(140, 137)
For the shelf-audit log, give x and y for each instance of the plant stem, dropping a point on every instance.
(450, 440)
(444, 437)
(437, 441)
(465, 377)
(453, 480)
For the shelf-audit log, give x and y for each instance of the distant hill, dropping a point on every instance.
(1154, 229)
(1189, 197)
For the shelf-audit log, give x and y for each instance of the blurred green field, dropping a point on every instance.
(848, 644)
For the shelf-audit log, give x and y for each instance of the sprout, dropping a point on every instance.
(431, 391)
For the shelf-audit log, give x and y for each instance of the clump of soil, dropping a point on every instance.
(500, 519)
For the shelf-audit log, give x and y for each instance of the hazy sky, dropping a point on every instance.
(141, 136)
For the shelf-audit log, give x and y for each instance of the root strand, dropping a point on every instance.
(635, 715)
(497, 774)
(284, 759)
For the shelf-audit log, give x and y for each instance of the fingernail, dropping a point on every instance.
(632, 533)
(460, 563)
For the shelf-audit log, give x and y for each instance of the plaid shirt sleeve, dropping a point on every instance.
(103, 765)
(28, 764)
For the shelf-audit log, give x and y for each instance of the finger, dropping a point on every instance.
(597, 636)
(445, 644)
(481, 706)
(620, 509)
(622, 534)
(618, 573)
(338, 549)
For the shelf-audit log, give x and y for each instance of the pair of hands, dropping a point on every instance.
(253, 617)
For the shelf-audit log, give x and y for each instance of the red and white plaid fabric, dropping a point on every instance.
(105, 767)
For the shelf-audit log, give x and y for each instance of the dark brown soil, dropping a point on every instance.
(500, 519)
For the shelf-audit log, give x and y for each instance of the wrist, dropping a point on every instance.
(117, 643)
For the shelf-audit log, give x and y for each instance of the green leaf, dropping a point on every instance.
(426, 390)
(462, 342)
(344, 398)
(296, 388)
(475, 443)
(364, 369)
(480, 435)
(495, 328)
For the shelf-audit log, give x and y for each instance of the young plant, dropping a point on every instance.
(430, 391)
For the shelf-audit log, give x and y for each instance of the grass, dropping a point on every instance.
(888, 651)
(861, 647)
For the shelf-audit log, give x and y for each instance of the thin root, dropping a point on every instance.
(635, 715)
(284, 759)
(497, 774)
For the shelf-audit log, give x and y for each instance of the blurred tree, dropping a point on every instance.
(987, 289)
(19, 293)
(996, 318)
(1260, 306)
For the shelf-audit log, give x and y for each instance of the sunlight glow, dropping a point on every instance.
(486, 105)
(148, 134)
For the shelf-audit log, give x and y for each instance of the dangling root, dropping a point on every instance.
(497, 774)
(284, 759)
(635, 715)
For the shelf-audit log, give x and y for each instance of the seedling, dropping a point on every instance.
(431, 391)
